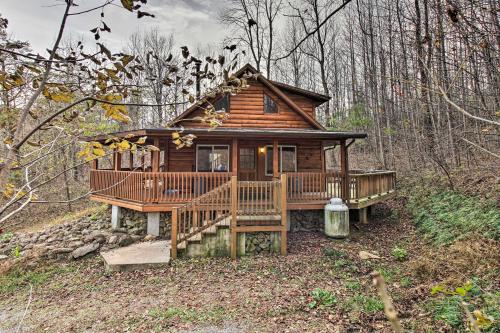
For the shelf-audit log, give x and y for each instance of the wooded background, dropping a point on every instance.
(421, 77)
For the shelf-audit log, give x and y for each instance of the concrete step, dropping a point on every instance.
(137, 256)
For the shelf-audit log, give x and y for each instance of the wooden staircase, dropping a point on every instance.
(231, 208)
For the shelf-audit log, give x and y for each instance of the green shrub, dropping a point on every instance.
(447, 216)
(322, 298)
(6, 236)
(362, 303)
(447, 309)
(353, 285)
(399, 253)
(333, 253)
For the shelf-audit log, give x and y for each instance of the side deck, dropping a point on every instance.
(165, 191)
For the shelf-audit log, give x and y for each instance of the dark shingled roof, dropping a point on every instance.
(247, 133)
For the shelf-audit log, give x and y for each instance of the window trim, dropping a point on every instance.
(212, 146)
(280, 157)
(272, 99)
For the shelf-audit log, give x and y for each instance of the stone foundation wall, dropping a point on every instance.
(307, 220)
(261, 242)
(135, 223)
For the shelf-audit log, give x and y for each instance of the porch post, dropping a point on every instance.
(166, 158)
(130, 160)
(155, 156)
(117, 160)
(234, 157)
(276, 170)
(344, 169)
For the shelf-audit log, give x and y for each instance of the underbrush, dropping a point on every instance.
(445, 216)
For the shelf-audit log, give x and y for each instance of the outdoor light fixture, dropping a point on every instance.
(262, 150)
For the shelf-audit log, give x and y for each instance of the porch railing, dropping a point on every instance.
(155, 187)
(370, 184)
(182, 187)
(259, 198)
(314, 186)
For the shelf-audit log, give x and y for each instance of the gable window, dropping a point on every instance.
(270, 105)
(212, 158)
(222, 103)
(287, 159)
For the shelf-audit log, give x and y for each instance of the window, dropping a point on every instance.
(270, 105)
(247, 158)
(287, 159)
(222, 103)
(212, 158)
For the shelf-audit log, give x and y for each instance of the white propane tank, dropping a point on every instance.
(336, 219)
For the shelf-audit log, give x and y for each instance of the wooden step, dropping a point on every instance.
(259, 218)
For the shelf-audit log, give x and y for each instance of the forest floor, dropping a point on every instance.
(321, 286)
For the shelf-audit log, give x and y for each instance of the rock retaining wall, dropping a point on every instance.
(80, 237)
(261, 242)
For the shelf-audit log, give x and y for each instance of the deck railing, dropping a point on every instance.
(155, 187)
(258, 203)
(314, 186)
(259, 198)
(370, 184)
(182, 187)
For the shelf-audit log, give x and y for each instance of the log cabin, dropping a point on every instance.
(249, 175)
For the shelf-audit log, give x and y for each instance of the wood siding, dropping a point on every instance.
(247, 110)
(310, 157)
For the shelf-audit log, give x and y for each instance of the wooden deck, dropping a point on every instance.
(164, 191)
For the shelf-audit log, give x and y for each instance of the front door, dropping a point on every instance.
(247, 167)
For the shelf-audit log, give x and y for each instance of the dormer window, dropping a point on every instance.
(222, 103)
(270, 105)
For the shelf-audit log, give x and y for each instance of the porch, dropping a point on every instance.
(163, 191)
(235, 182)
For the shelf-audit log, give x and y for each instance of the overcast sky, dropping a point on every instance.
(193, 22)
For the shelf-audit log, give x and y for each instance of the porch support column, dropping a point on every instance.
(155, 156)
(234, 157)
(154, 224)
(363, 215)
(130, 160)
(117, 160)
(276, 171)
(116, 214)
(166, 157)
(344, 169)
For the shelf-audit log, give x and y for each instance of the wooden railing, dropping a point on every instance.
(320, 186)
(259, 198)
(253, 201)
(376, 183)
(199, 214)
(255, 196)
(314, 186)
(155, 187)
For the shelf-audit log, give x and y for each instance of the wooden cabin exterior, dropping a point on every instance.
(266, 159)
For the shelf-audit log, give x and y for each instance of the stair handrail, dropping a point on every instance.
(218, 198)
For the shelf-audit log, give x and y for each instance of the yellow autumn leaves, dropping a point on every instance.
(115, 111)
(181, 141)
(93, 149)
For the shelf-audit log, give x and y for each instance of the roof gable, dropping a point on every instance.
(277, 90)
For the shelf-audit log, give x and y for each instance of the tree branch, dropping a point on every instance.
(289, 53)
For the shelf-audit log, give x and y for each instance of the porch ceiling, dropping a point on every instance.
(237, 132)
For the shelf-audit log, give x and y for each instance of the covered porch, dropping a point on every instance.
(165, 179)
